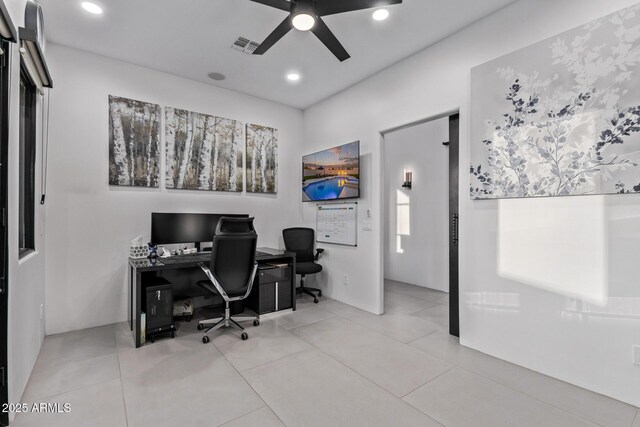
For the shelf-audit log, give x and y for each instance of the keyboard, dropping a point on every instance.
(177, 259)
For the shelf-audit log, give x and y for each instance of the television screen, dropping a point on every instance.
(332, 174)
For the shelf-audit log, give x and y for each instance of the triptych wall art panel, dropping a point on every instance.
(560, 117)
(134, 143)
(203, 152)
(262, 159)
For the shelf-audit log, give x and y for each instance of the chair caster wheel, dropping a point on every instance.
(189, 318)
(244, 336)
(319, 294)
(152, 339)
(256, 322)
(315, 300)
(200, 326)
(173, 334)
(205, 340)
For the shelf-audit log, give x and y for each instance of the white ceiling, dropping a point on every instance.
(192, 38)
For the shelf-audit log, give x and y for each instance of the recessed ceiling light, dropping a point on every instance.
(380, 14)
(293, 77)
(303, 22)
(91, 7)
(217, 76)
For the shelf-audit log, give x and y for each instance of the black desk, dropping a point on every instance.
(139, 267)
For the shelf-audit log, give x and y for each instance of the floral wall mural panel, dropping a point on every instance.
(560, 117)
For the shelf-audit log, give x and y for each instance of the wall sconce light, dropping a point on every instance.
(408, 176)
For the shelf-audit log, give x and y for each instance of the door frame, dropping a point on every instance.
(454, 200)
(4, 225)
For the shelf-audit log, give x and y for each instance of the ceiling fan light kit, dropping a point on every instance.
(306, 15)
(303, 22)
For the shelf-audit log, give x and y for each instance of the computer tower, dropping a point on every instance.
(158, 308)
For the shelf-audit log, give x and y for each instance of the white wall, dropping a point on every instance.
(90, 224)
(416, 221)
(26, 276)
(544, 327)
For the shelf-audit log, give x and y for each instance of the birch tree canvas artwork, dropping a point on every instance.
(134, 143)
(262, 159)
(203, 152)
(560, 117)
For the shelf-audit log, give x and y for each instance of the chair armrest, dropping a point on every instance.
(251, 280)
(318, 252)
(214, 281)
(219, 288)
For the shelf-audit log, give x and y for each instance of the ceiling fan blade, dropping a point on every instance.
(282, 29)
(329, 39)
(331, 7)
(278, 4)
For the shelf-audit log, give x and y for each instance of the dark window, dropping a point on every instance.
(27, 163)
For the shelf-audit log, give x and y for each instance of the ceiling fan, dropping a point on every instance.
(306, 15)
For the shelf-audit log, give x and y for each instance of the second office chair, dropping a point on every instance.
(300, 241)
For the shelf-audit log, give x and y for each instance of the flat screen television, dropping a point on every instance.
(332, 174)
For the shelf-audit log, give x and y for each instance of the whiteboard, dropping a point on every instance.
(337, 224)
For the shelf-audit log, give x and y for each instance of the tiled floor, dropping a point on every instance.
(324, 365)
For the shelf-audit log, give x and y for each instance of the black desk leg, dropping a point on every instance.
(138, 286)
(130, 297)
(293, 286)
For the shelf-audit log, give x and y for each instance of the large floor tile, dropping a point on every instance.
(263, 417)
(267, 342)
(312, 389)
(462, 398)
(183, 382)
(304, 315)
(97, 406)
(431, 295)
(438, 315)
(78, 345)
(444, 346)
(392, 365)
(47, 380)
(395, 303)
(578, 401)
(404, 328)
(339, 308)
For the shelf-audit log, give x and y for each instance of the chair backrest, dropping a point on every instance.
(300, 240)
(233, 254)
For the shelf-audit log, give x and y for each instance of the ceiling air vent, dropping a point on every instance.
(245, 45)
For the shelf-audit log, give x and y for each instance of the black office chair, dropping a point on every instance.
(231, 270)
(300, 240)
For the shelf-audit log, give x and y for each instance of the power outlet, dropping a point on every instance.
(346, 280)
(636, 355)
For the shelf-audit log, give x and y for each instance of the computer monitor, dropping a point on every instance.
(171, 228)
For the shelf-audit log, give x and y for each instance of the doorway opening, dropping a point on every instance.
(420, 244)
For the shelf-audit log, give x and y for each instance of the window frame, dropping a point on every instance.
(27, 162)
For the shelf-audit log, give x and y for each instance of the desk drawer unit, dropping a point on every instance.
(274, 289)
